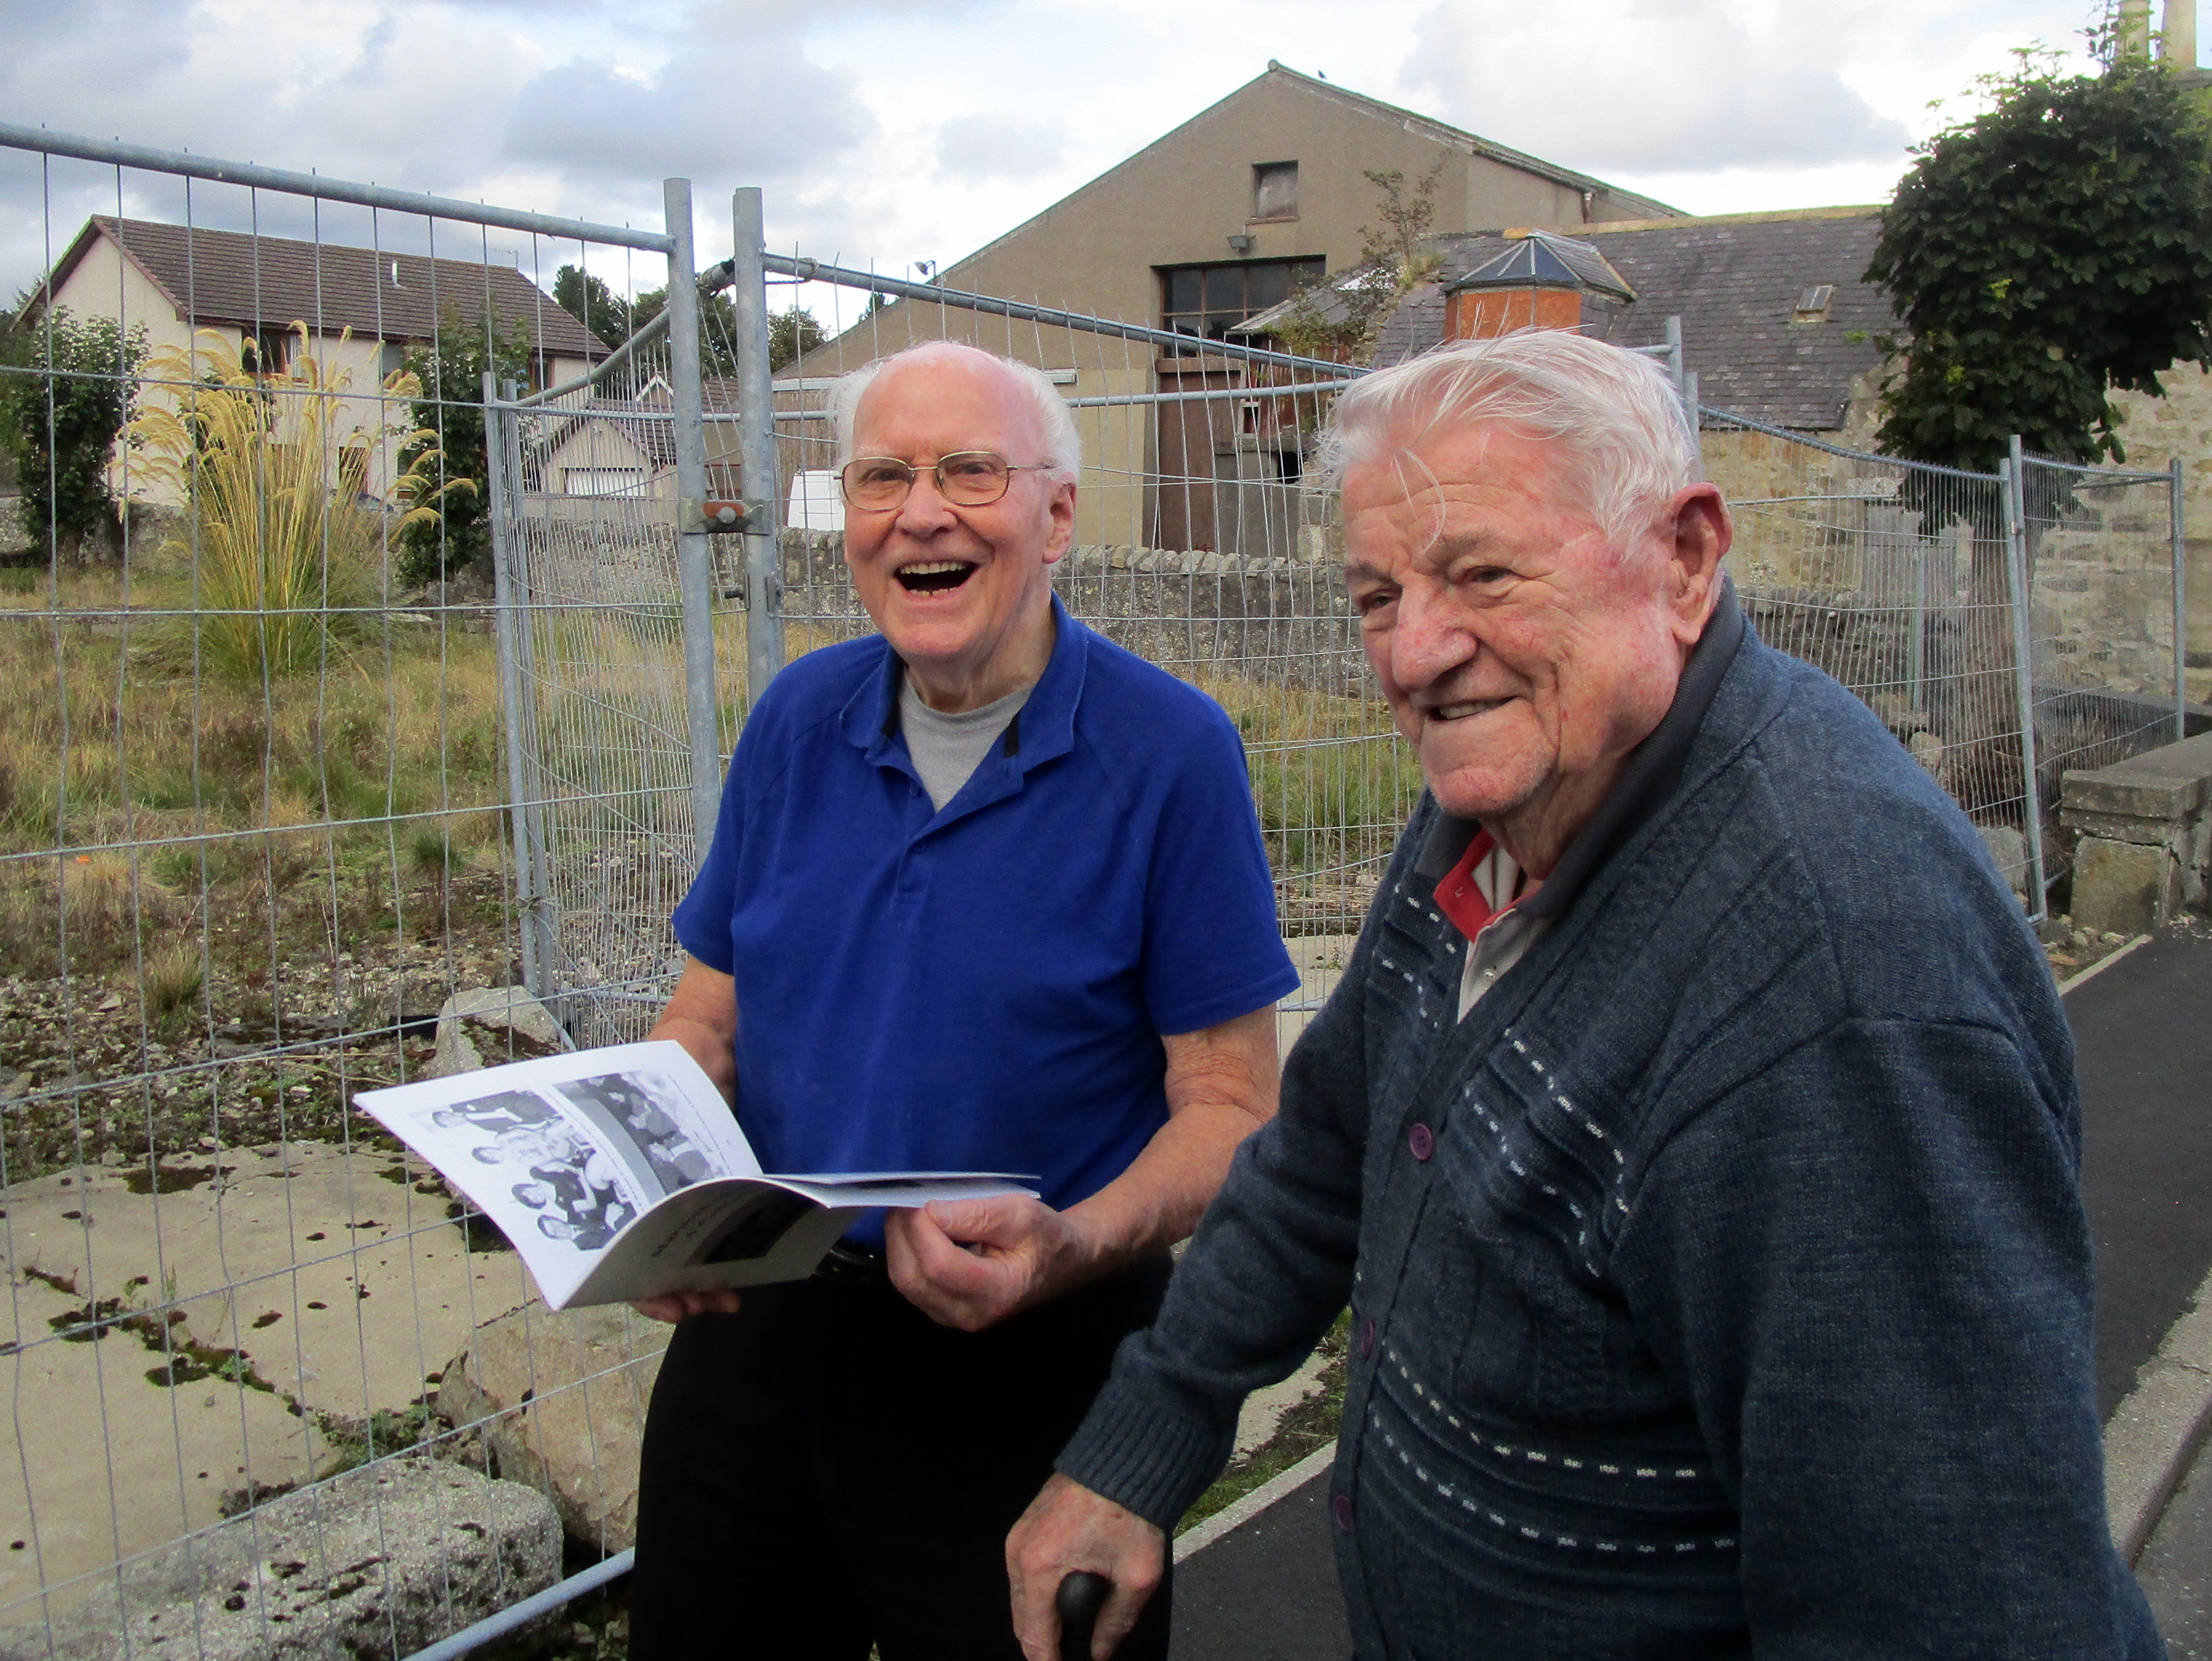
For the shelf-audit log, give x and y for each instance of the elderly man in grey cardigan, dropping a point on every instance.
(1693, 1135)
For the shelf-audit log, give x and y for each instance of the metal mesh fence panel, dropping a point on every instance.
(2099, 545)
(1903, 582)
(255, 838)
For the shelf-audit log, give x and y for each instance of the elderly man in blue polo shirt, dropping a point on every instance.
(986, 893)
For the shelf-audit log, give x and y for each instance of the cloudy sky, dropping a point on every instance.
(888, 131)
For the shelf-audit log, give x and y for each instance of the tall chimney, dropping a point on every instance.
(2134, 44)
(2180, 34)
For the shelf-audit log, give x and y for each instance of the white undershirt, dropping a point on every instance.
(1504, 940)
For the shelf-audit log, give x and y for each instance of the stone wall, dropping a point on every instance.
(1282, 620)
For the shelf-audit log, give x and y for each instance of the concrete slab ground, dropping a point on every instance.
(167, 1342)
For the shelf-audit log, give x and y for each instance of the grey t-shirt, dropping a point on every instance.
(946, 749)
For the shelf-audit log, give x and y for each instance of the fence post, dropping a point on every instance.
(756, 448)
(1916, 649)
(2181, 604)
(1697, 427)
(695, 548)
(2011, 473)
(505, 623)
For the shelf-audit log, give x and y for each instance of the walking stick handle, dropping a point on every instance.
(1082, 1595)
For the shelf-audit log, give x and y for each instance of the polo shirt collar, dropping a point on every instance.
(1043, 727)
(1654, 771)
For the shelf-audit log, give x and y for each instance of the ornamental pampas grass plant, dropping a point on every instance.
(283, 557)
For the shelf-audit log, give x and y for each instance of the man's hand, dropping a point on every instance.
(970, 1263)
(1066, 1529)
(674, 1306)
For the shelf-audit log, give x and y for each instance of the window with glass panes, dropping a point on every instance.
(1208, 301)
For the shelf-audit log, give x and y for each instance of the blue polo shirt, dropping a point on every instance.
(982, 988)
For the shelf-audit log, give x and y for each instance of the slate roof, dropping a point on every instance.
(1734, 281)
(269, 281)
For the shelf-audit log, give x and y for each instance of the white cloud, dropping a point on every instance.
(974, 149)
(1651, 86)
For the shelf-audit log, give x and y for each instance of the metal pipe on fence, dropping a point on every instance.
(517, 1616)
(16, 137)
(2180, 603)
(756, 446)
(505, 624)
(813, 270)
(2013, 491)
(1916, 649)
(695, 548)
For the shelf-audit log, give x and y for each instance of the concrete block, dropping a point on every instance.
(560, 1400)
(488, 1025)
(2169, 782)
(376, 1564)
(2123, 887)
(2009, 850)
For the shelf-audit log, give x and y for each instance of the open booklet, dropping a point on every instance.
(620, 1173)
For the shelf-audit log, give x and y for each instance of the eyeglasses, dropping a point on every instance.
(966, 478)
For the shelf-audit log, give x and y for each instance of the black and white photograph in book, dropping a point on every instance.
(623, 1105)
(562, 1185)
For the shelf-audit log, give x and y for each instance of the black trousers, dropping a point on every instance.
(830, 1469)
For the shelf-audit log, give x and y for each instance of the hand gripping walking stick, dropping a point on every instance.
(1081, 1597)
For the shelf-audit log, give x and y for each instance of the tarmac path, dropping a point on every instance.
(2143, 1028)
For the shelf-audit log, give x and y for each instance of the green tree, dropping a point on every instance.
(1340, 317)
(2041, 255)
(449, 414)
(791, 335)
(68, 386)
(592, 304)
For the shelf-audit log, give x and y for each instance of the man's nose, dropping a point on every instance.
(1429, 639)
(925, 509)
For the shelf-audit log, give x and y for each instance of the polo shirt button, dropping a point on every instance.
(1366, 1337)
(1422, 1141)
(1342, 1507)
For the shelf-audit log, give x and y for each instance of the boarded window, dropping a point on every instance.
(1275, 189)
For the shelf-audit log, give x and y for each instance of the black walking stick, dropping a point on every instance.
(1081, 1597)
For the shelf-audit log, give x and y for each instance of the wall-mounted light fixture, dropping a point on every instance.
(1242, 242)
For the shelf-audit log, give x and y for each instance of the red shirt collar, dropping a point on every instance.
(1459, 896)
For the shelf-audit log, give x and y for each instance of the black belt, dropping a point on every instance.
(847, 1264)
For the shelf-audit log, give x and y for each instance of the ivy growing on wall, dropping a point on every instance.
(2042, 255)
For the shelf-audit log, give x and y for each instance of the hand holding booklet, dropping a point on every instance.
(620, 1174)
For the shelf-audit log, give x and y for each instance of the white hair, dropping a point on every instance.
(1629, 442)
(1063, 445)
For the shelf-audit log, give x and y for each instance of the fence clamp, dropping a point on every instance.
(721, 518)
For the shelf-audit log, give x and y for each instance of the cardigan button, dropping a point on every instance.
(1367, 1338)
(1342, 1506)
(1423, 1142)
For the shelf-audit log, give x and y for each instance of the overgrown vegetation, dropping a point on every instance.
(444, 456)
(1340, 317)
(67, 390)
(282, 555)
(2042, 254)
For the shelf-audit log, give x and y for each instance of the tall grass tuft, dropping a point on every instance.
(283, 555)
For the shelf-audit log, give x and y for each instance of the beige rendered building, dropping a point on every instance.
(360, 308)
(1209, 224)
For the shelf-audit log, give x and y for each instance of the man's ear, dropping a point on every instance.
(1702, 530)
(1062, 508)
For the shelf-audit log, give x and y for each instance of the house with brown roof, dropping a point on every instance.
(360, 308)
